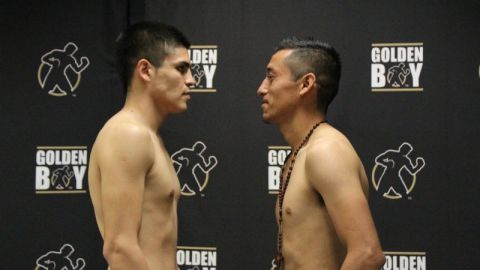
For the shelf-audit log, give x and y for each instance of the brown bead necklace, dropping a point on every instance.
(283, 189)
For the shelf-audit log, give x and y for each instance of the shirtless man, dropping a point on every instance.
(322, 210)
(133, 185)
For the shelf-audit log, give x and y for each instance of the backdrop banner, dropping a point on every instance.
(409, 94)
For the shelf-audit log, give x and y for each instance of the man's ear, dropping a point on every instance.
(307, 83)
(144, 69)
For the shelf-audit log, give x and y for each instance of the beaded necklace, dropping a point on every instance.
(283, 189)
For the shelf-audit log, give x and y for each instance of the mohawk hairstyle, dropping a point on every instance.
(319, 58)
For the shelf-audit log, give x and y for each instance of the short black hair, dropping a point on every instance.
(320, 58)
(148, 40)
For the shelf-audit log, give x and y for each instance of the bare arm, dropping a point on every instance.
(124, 159)
(334, 170)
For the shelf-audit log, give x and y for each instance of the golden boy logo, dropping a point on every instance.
(395, 260)
(204, 65)
(276, 158)
(197, 258)
(396, 67)
(60, 169)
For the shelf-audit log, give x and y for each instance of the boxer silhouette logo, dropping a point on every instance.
(60, 260)
(63, 178)
(197, 74)
(193, 168)
(397, 75)
(60, 71)
(394, 174)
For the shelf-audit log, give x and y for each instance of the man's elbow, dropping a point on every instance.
(371, 258)
(115, 249)
(374, 257)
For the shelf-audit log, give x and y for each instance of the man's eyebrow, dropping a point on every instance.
(183, 64)
(270, 70)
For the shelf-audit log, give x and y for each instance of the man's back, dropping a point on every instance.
(311, 240)
(134, 190)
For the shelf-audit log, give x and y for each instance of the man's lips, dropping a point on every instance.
(264, 104)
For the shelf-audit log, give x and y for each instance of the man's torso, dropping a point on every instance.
(157, 234)
(309, 237)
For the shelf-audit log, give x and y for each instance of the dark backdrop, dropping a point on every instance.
(49, 110)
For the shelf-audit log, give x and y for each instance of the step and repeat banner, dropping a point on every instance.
(409, 96)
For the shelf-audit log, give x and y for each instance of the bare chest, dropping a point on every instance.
(162, 183)
(300, 199)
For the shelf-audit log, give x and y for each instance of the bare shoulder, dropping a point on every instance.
(330, 145)
(121, 137)
(330, 156)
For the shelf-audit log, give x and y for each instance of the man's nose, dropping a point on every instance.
(262, 90)
(190, 81)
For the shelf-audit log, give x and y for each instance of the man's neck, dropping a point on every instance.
(143, 107)
(295, 129)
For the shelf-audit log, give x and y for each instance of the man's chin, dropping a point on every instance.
(181, 109)
(266, 119)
